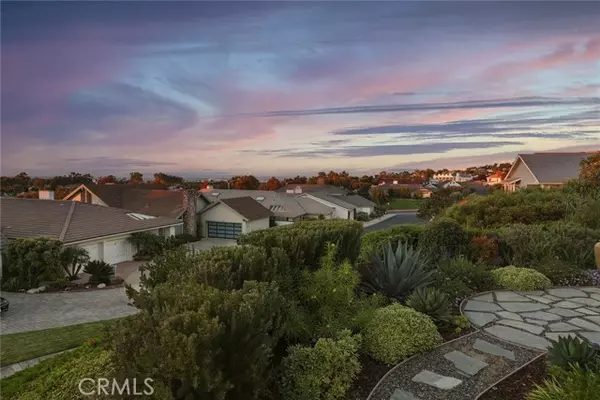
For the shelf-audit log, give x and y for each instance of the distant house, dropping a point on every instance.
(460, 177)
(495, 178)
(387, 181)
(444, 176)
(411, 187)
(229, 218)
(103, 231)
(543, 170)
(293, 188)
(339, 203)
(452, 184)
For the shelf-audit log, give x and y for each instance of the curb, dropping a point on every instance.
(12, 369)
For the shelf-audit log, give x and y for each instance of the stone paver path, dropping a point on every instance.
(534, 318)
(29, 312)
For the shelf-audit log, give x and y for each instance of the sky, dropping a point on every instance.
(279, 88)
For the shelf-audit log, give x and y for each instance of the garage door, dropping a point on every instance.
(224, 230)
(94, 250)
(115, 251)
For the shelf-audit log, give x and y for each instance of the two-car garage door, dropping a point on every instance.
(224, 230)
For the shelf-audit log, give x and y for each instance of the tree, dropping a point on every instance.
(136, 177)
(72, 260)
(107, 179)
(30, 261)
(273, 184)
(161, 178)
(247, 182)
(589, 169)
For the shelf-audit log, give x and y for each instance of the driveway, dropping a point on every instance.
(29, 312)
(400, 218)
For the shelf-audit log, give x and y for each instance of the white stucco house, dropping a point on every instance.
(231, 217)
(342, 208)
(543, 170)
(103, 231)
(443, 176)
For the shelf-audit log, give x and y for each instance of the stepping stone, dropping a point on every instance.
(593, 337)
(555, 335)
(480, 318)
(522, 325)
(586, 311)
(490, 348)
(533, 293)
(522, 307)
(566, 292)
(564, 312)
(402, 395)
(474, 305)
(567, 304)
(563, 327)
(510, 296)
(509, 315)
(518, 337)
(595, 296)
(465, 363)
(584, 324)
(541, 315)
(489, 298)
(585, 301)
(541, 299)
(591, 289)
(435, 380)
(536, 321)
(594, 319)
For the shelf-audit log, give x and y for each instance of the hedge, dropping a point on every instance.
(373, 241)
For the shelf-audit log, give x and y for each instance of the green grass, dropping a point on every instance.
(27, 345)
(404, 204)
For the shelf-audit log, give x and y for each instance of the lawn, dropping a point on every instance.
(27, 345)
(404, 204)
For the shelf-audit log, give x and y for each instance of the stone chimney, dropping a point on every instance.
(190, 216)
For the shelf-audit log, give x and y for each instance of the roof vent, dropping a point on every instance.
(260, 198)
(215, 194)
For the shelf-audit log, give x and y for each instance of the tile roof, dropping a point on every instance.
(70, 221)
(112, 194)
(310, 188)
(554, 167)
(337, 200)
(357, 200)
(248, 208)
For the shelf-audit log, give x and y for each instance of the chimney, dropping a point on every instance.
(46, 194)
(190, 216)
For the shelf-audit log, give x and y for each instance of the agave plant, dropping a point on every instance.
(432, 302)
(570, 350)
(100, 271)
(395, 274)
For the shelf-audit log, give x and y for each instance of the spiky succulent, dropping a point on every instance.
(395, 274)
(570, 350)
(432, 302)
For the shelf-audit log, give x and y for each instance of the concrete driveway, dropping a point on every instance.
(30, 312)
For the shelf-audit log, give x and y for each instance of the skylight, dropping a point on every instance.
(140, 217)
(215, 194)
(260, 198)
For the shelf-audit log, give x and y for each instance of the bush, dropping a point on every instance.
(58, 377)
(486, 249)
(562, 273)
(433, 303)
(568, 384)
(443, 238)
(148, 245)
(100, 271)
(203, 342)
(28, 262)
(520, 279)
(459, 278)
(323, 372)
(395, 274)
(305, 242)
(571, 350)
(373, 242)
(73, 259)
(397, 332)
(221, 267)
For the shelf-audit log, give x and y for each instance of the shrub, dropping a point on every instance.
(100, 271)
(323, 372)
(203, 342)
(562, 273)
(305, 242)
(373, 242)
(433, 303)
(571, 350)
(397, 332)
(588, 213)
(570, 384)
(31, 261)
(443, 238)
(395, 274)
(148, 245)
(459, 278)
(221, 267)
(521, 279)
(486, 249)
(73, 259)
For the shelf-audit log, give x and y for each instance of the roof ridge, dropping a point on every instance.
(65, 228)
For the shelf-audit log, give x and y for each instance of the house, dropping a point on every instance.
(444, 176)
(543, 170)
(495, 178)
(426, 191)
(460, 177)
(103, 231)
(452, 185)
(149, 199)
(340, 204)
(229, 218)
(361, 203)
(387, 181)
(293, 188)
(286, 208)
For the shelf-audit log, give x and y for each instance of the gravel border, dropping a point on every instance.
(498, 368)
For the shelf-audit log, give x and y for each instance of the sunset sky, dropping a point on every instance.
(201, 88)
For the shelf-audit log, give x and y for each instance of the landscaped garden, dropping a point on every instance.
(319, 310)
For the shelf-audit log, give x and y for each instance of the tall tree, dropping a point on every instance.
(136, 177)
(589, 169)
(247, 182)
(160, 178)
(273, 184)
(107, 179)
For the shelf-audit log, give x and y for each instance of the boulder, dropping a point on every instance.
(42, 289)
(34, 290)
(101, 285)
